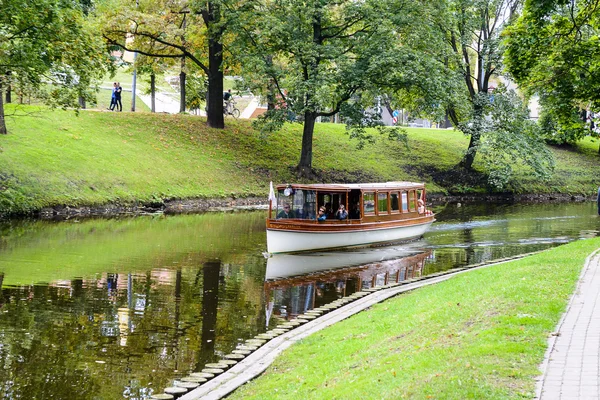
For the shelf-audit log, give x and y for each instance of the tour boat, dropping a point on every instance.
(307, 217)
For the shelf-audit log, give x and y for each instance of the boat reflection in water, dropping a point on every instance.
(296, 283)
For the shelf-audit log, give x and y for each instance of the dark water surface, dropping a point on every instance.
(118, 308)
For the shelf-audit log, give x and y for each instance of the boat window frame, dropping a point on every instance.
(336, 197)
(404, 201)
(412, 200)
(387, 203)
(398, 202)
(364, 211)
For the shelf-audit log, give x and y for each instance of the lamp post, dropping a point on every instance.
(133, 83)
(182, 74)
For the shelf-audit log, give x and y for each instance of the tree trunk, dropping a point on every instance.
(305, 164)
(477, 121)
(467, 161)
(82, 102)
(3, 130)
(271, 87)
(214, 112)
(271, 95)
(8, 88)
(182, 92)
(152, 92)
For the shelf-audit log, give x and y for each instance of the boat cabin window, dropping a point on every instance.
(404, 202)
(354, 204)
(296, 203)
(368, 203)
(331, 201)
(412, 202)
(394, 203)
(382, 203)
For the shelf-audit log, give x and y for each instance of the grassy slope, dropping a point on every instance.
(446, 341)
(54, 158)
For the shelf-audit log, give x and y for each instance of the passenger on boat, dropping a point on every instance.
(322, 214)
(286, 212)
(421, 206)
(341, 213)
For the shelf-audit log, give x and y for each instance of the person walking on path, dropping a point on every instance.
(113, 97)
(572, 363)
(118, 91)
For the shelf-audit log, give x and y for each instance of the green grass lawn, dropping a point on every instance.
(479, 335)
(58, 158)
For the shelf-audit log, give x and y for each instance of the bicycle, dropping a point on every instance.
(230, 109)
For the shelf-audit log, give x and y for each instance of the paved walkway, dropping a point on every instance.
(571, 369)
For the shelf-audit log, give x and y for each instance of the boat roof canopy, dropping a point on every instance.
(351, 186)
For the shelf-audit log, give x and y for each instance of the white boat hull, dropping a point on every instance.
(289, 241)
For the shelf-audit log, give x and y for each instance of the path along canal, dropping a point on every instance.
(118, 308)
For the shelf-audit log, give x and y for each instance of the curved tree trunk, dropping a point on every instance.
(477, 121)
(305, 164)
(467, 161)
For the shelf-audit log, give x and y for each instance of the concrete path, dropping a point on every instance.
(249, 110)
(168, 103)
(571, 369)
(163, 102)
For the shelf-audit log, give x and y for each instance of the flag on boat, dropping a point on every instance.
(272, 197)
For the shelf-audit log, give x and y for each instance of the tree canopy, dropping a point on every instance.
(175, 29)
(553, 51)
(320, 58)
(317, 59)
(49, 46)
(476, 95)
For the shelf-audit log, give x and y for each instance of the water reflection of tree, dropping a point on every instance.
(154, 339)
(210, 302)
(30, 339)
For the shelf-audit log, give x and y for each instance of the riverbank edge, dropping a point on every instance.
(201, 205)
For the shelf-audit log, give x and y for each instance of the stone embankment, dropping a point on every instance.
(185, 206)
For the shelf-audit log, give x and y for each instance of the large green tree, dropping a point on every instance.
(477, 101)
(48, 47)
(317, 58)
(177, 29)
(553, 51)
(471, 29)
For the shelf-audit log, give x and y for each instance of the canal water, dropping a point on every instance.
(118, 308)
